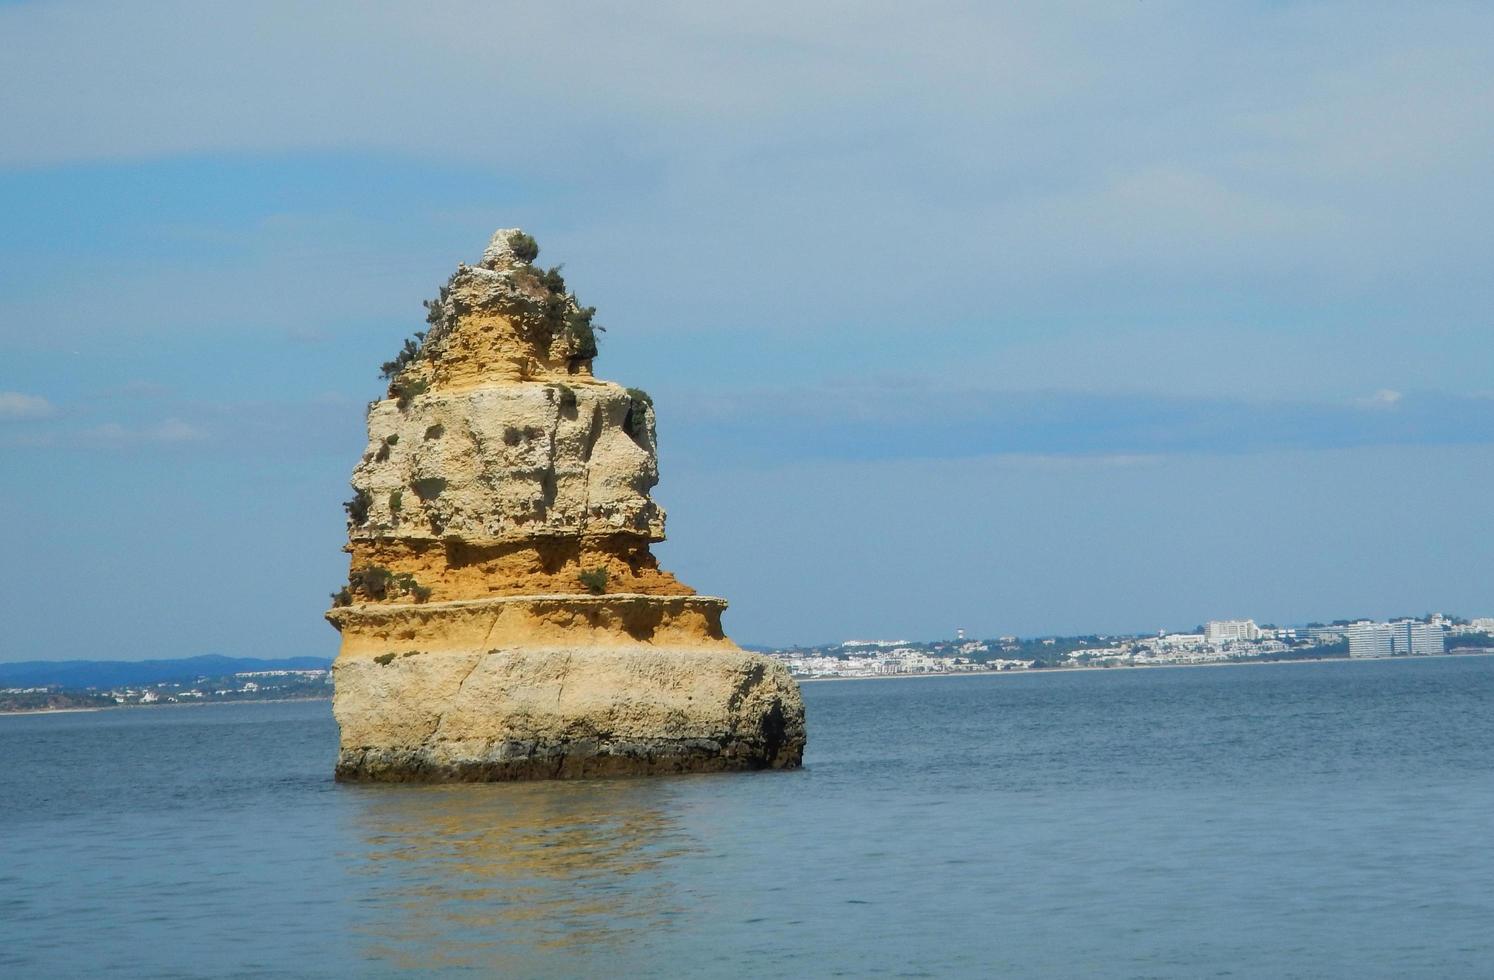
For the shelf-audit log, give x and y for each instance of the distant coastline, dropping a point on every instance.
(1215, 643)
(5, 713)
(1450, 655)
(40, 687)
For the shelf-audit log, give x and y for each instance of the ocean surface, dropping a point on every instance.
(1294, 820)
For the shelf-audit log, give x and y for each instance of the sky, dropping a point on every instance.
(1030, 318)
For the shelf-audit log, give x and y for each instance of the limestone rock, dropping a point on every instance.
(530, 713)
(504, 617)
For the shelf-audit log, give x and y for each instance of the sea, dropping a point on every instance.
(1327, 819)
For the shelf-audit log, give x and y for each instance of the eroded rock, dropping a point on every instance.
(504, 617)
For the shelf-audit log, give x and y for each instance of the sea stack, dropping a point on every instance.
(504, 618)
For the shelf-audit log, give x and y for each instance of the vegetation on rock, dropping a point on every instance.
(357, 508)
(553, 281)
(379, 583)
(404, 391)
(595, 580)
(635, 423)
(406, 356)
(581, 331)
(435, 309)
(555, 315)
(525, 248)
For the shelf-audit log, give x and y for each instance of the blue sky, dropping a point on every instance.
(1045, 318)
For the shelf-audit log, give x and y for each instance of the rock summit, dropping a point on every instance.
(504, 617)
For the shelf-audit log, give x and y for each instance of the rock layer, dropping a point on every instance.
(504, 617)
(543, 713)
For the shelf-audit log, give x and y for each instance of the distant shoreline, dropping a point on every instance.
(60, 711)
(1228, 663)
(171, 704)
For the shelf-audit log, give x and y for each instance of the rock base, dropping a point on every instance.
(555, 713)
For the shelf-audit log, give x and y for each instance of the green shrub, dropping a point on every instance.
(371, 580)
(357, 508)
(582, 332)
(525, 248)
(595, 580)
(558, 315)
(635, 423)
(407, 584)
(379, 583)
(385, 659)
(435, 309)
(552, 280)
(406, 356)
(342, 597)
(396, 501)
(404, 391)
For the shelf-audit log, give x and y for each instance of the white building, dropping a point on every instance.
(1370, 639)
(1179, 641)
(1231, 630)
(1419, 639)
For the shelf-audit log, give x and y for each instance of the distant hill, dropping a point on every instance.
(80, 674)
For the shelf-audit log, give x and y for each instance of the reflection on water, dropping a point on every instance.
(488, 875)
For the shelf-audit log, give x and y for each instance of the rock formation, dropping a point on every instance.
(504, 617)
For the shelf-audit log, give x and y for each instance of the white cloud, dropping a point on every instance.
(113, 435)
(959, 92)
(15, 405)
(1384, 398)
(1116, 173)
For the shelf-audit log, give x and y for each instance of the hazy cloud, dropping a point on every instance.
(15, 405)
(1284, 197)
(113, 435)
(1384, 398)
(1045, 139)
(938, 421)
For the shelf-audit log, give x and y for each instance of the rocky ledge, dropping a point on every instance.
(504, 617)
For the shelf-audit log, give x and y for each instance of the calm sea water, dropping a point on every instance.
(1318, 820)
